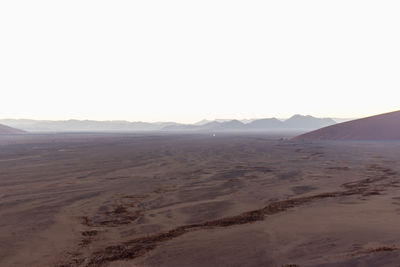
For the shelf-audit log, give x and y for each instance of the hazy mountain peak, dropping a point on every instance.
(202, 122)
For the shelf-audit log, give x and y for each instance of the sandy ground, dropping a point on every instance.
(197, 200)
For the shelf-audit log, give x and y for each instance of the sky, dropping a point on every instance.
(189, 60)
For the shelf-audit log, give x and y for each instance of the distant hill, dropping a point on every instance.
(230, 125)
(307, 122)
(84, 125)
(264, 124)
(380, 127)
(202, 122)
(9, 130)
(297, 122)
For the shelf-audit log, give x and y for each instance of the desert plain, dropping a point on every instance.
(197, 200)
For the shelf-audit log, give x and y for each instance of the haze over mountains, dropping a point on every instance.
(380, 127)
(83, 125)
(297, 122)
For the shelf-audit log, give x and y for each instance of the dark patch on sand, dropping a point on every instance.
(303, 189)
(140, 246)
(205, 211)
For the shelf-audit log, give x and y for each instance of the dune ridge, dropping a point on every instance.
(9, 130)
(380, 127)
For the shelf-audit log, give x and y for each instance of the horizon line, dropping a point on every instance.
(179, 122)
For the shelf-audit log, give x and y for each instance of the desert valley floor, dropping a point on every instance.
(197, 200)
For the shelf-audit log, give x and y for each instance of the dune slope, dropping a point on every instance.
(380, 127)
(8, 130)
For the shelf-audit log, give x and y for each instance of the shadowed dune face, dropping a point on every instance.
(380, 127)
(8, 130)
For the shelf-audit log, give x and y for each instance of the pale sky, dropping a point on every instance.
(189, 60)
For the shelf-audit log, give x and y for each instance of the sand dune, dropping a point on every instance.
(8, 130)
(381, 127)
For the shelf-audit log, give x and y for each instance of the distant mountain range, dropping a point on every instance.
(83, 125)
(9, 130)
(295, 123)
(380, 127)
